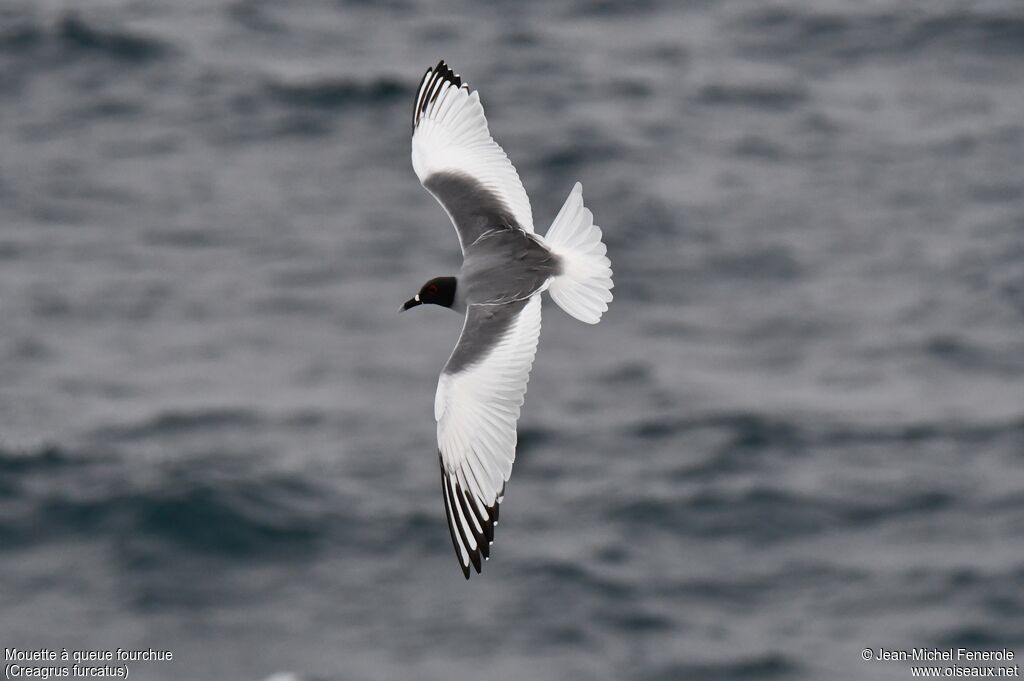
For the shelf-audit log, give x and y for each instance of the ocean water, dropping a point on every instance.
(797, 433)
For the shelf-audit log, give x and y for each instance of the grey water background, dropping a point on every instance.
(797, 433)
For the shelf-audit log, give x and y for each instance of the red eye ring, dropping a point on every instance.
(432, 288)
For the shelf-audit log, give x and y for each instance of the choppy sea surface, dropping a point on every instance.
(798, 432)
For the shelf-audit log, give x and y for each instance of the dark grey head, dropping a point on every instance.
(437, 291)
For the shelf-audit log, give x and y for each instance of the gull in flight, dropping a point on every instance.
(505, 268)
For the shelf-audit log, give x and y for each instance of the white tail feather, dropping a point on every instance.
(583, 289)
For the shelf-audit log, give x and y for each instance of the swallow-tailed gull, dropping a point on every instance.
(505, 268)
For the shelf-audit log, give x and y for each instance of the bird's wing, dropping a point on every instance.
(477, 405)
(458, 162)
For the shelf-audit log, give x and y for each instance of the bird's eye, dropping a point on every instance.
(432, 288)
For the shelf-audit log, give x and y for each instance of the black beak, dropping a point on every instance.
(412, 302)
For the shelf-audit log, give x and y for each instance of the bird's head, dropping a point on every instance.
(437, 291)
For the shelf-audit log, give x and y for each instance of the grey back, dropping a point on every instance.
(504, 265)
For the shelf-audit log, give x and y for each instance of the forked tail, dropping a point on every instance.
(583, 288)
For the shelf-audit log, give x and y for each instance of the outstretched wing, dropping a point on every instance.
(458, 162)
(477, 405)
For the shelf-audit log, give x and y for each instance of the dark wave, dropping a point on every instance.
(767, 666)
(758, 95)
(586, 148)
(635, 621)
(43, 458)
(609, 8)
(20, 470)
(253, 15)
(989, 33)
(116, 43)
(984, 636)
(750, 430)
(211, 504)
(273, 106)
(883, 34)
(632, 373)
(18, 35)
(776, 263)
(180, 422)
(958, 351)
(338, 92)
(577, 577)
(758, 147)
(745, 591)
(767, 515)
(69, 40)
(243, 517)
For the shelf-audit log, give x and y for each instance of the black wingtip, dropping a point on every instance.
(444, 71)
(419, 91)
(469, 520)
(430, 87)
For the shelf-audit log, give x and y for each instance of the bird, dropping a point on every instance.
(506, 266)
